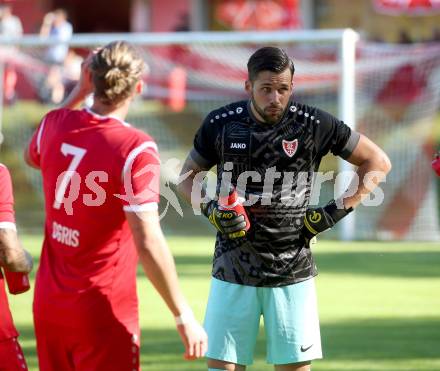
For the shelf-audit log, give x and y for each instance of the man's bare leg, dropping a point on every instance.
(302, 366)
(216, 364)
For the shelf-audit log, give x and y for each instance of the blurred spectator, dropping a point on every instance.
(404, 37)
(377, 38)
(71, 70)
(436, 35)
(55, 25)
(10, 26)
(51, 90)
(183, 24)
(61, 79)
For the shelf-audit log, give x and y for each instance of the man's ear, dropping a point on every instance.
(248, 86)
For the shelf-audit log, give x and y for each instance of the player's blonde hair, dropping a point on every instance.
(116, 68)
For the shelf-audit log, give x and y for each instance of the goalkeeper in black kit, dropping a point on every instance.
(267, 149)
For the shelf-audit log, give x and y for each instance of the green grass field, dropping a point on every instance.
(379, 307)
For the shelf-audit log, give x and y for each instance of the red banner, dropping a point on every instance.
(407, 7)
(258, 15)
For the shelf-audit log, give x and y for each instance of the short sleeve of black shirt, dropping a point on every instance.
(332, 135)
(204, 152)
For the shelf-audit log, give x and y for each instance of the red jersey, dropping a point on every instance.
(94, 168)
(7, 220)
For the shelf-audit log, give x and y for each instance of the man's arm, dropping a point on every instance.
(193, 182)
(12, 256)
(46, 25)
(79, 93)
(159, 267)
(231, 222)
(74, 100)
(373, 166)
(83, 87)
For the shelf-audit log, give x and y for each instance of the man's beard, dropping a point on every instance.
(269, 119)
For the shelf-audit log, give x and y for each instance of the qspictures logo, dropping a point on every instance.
(294, 190)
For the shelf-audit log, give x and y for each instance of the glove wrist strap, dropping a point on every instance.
(336, 212)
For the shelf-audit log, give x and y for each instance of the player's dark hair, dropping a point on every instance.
(269, 58)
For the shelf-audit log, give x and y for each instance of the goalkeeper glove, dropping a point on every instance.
(231, 222)
(320, 219)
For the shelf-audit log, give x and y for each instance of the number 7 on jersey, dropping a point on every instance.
(78, 153)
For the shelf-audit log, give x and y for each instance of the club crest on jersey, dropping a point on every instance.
(290, 147)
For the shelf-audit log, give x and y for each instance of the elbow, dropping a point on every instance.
(384, 163)
(379, 163)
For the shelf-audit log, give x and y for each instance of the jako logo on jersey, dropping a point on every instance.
(290, 147)
(238, 145)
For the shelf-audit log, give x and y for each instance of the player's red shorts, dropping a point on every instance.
(11, 356)
(111, 348)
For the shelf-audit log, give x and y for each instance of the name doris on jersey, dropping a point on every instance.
(65, 235)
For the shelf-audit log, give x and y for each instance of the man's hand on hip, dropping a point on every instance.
(320, 219)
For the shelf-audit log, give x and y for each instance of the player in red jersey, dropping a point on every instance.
(101, 188)
(14, 259)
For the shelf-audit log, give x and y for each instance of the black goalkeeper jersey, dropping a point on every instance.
(274, 166)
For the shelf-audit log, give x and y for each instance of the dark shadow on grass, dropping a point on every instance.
(382, 339)
(197, 260)
(188, 225)
(369, 340)
(423, 264)
(390, 264)
(190, 266)
(27, 342)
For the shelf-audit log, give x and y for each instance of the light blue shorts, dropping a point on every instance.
(290, 316)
